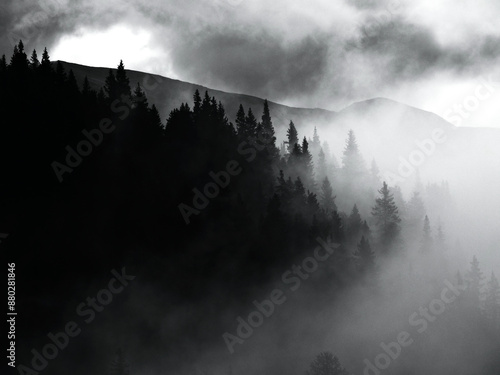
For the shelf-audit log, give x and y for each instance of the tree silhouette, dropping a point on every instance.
(327, 199)
(386, 217)
(426, 242)
(326, 363)
(292, 136)
(475, 283)
(353, 164)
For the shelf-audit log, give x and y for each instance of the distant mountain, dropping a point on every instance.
(386, 130)
(167, 94)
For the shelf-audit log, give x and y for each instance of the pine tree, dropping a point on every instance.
(315, 143)
(122, 81)
(475, 283)
(354, 223)
(321, 168)
(386, 217)
(294, 162)
(426, 243)
(327, 198)
(399, 201)
(86, 87)
(250, 129)
(292, 136)
(240, 121)
(284, 189)
(326, 364)
(34, 62)
(156, 125)
(312, 203)
(139, 99)
(307, 167)
(197, 103)
(45, 65)
(268, 131)
(110, 86)
(19, 61)
(352, 161)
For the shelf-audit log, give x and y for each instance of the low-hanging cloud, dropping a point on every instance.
(322, 54)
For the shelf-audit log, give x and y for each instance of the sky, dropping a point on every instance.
(439, 56)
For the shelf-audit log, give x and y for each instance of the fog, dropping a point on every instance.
(273, 268)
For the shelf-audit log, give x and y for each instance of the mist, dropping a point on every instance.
(235, 187)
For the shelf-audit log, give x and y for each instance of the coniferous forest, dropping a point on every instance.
(234, 251)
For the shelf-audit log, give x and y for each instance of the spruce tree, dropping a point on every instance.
(327, 199)
(122, 81)
(352, 162)
(399, 201)
(139, 99)
(250, 129)
(268, 130)
(292, 136)
(315, 143)
(34, 62)
(197, 103)
(45, 65)
(110, 86)
(426, 243)
(307, 167)
(385, 213)
(475, 283)
(354, 223)
(321, 168)
(240, 122)
(19, 61)
(326, 364)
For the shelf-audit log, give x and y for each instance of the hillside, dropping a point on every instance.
(389, 132)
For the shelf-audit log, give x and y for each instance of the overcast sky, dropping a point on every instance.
(323, 53)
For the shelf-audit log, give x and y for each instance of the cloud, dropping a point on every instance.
(321, 53)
